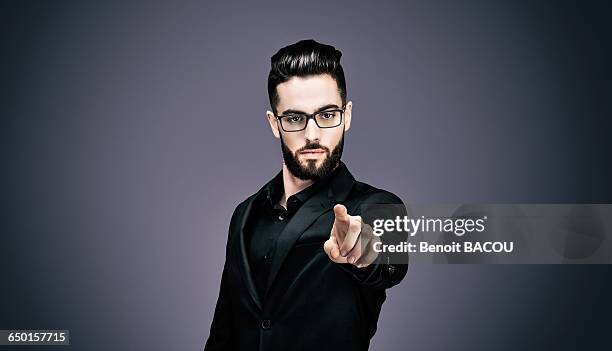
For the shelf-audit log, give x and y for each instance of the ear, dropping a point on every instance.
(348, 112)
(273, 124)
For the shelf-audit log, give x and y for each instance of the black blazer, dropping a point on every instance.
(310, 303)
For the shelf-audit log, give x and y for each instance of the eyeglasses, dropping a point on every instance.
(296, 122)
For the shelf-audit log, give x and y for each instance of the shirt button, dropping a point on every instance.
(266, 324)
(280, 218)
(266, 257)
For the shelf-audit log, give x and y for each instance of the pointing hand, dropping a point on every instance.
(350, 240)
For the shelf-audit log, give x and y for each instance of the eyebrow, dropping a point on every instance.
(322, 108)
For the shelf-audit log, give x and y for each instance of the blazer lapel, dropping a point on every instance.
(244, 259)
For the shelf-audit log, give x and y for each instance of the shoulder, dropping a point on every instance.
(374, 203)
(367, 194)
(241, 207)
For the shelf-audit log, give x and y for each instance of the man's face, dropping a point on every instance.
(313, 152)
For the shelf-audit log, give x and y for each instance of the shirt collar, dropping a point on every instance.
(274, 190)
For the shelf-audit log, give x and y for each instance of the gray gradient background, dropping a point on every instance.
(131, 131)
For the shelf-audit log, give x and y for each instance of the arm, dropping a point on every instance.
(220, 337)
(220, 329)
(353, 236)
(383, 273)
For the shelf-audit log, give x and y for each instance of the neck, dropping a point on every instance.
(292, 185)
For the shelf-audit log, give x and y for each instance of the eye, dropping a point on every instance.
(294, 119)
(328, 115)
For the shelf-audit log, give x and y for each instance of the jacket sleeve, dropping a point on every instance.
(387, 270)
(220, 338)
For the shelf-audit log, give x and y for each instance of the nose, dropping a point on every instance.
(312, 130)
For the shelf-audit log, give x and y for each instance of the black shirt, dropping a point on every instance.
(268, 219)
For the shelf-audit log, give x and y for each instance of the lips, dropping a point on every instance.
(312, 152)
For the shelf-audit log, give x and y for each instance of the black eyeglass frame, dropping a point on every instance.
(311, 116)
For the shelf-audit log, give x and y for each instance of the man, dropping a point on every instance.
(300, 271)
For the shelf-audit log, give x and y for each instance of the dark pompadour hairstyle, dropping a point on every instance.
(304, 58)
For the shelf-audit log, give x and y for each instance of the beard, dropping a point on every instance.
(310, 171)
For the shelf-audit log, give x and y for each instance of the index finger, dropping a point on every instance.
(341, 222)
(341, 213)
